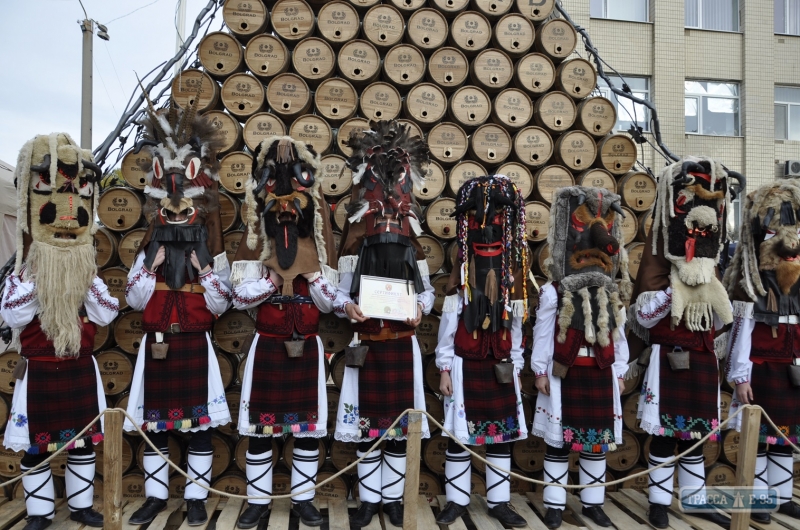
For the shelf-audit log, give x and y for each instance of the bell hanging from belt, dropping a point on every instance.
(354, 356)
(794, 373)
(295, 347)
(678, 359)
(504, 372)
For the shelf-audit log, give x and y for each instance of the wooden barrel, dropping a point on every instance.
(133, 486)
(432, 186)
(433, 453)
(730, 446)
(520, 175)
(477, 484)
(528, 454)
(228, 212)
(492, 8)
(228, 127)
(314, 60)
(533, 146)
(314, 131)
(448, 67)
(514, 34)
(576, 77)
(630, 226)
(535, 73)
(338, 22)
(227, 368)
(340, 212)
(128, 332)
(333, 395)
(359, 62)
(404, 65)
(353, 125)
(335, 176)
(105, 247)
(336, 100)
(520, 486)
(462, 172)
(490, 144)
(540, 255)
(413, 128)
(439, 284)
(450, 8)
(555, 111)
(175, 451)
(630, 406)
(720, 475)
(626, 455)
(549, 179)
(512, 108)
(288, 95)
(576, 150)
(116, 371)
(383, 25)
(232, 239)
(120, 209)
(343, 454)
(639, 484)
(426, 104)
(434, 252)
(334, 332)
(4, 409)
(556, 38)
(220, 54)
(131, 168)
(491, 70)
(234, 398)
(431, 375)
(245, 19)
(616, 153)
(240, 451)
(380, 101)
(635, 251)
(537, 220)
(103, 339)
(637, 191)
(470, 32)
(257, 128)
(233, 482)
(128, 446)
(223, 454)
(427, 334)
(597, 178)
(337, 489)
(596, 115)
(469, 107)
(281, 480)
(407, 6)
(429, 485)
(725, 399)
(536, 11)
(437, 218)
(185, 89)
(288, 451)
(292, 20)
(266, 56)
(235, 169)
(232, 330)
(711, 452)
(427, 29)
(9, 461)
(129, 247)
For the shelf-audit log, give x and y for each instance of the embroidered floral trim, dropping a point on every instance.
(325, 288)
(180, 418)
(490, 432)
(741, 380)
(136, 277)
(10, 302)
(350, 414)
(687, 428)
(250, 300)
(43, 442)
(589, 440)
(658, 311)
(541, 374)
(649, 395)
(737, 327)
(111, 304)
(785, 430)
(339, 310)
(20, 420)
(223, 291)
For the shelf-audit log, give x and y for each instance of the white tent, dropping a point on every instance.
(8, 212)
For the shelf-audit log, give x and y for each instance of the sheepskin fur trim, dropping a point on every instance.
(634, 370)
(743, 309)
(246, 270)
(721, 345)
(331, 275)
(602, 318)
(697, 304)
(451, 303)
(221, 262)
(633, 324)
(347, 264)
(422, 265)
(518, 308)
(589, 331)
(565, 315)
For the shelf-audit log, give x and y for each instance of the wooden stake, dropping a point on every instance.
(411, 493)
(112, 469)
(746, 462)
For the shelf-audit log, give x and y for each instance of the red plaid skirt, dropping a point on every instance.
(284, 390)
(176, 388)
(587, 408)
(385, 385)
(773, 391)
(689, 399)
(490, 406)
(62, 400)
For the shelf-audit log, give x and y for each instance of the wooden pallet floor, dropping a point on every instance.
(626, 508)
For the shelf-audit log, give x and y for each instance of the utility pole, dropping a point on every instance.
(180, 27)
(87, 27)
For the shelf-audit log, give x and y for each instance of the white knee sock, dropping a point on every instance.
(304, 473)
(592, 469)
(660, 482)
(556, 468)
(259, 476)
(39, 492)
(79, 479)
(369, 477)
(457, 483)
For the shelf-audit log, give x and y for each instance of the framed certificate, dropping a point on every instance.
(387, 298)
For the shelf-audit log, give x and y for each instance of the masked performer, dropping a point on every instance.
(580, 354)
(282, 269)
(679, 302)
(55, 301)
(181, 281)
(765, 340)
(379, 240)
(480, 332)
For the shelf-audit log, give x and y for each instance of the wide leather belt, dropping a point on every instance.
(796, 361)
(173, 328)
(789, 319)
(195, 288)
(386, 334)
(586, 352)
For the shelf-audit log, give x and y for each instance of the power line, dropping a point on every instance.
(132, 12)
(103, 81)
(115, 68)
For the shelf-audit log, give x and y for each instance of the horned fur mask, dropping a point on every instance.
(57, 185)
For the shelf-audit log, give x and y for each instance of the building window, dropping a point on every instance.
(787, 17)
(712, 108)
(635, 10)
(722, 15)
(787, 113)
(628, 112)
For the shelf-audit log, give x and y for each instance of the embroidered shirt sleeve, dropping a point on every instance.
(343, 293)
(101, 307)
(19, 304)
(218, 295)
(648, 315)
(251, 292)
(141, 284)
(544, 330)
(323, 293)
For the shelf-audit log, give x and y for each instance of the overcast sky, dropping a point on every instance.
(40, 74)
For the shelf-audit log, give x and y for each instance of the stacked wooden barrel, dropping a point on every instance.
(494, 87)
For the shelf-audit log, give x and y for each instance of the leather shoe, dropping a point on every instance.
(364, 514)
(658, 515)
(761, 517)
(88, 517)
(716, 518)
(307, 513)
(790, 508)
(450, 513)
(596, 514)
(394, 511)
(196, 512)
(37, 522)
(253, 515)
(504, 513)
(552, 517)
(151, 507)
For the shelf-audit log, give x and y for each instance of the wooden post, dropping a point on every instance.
(112, 470)
(746, 461)
(411, 493)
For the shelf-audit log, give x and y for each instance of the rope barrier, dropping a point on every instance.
(378, 441)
